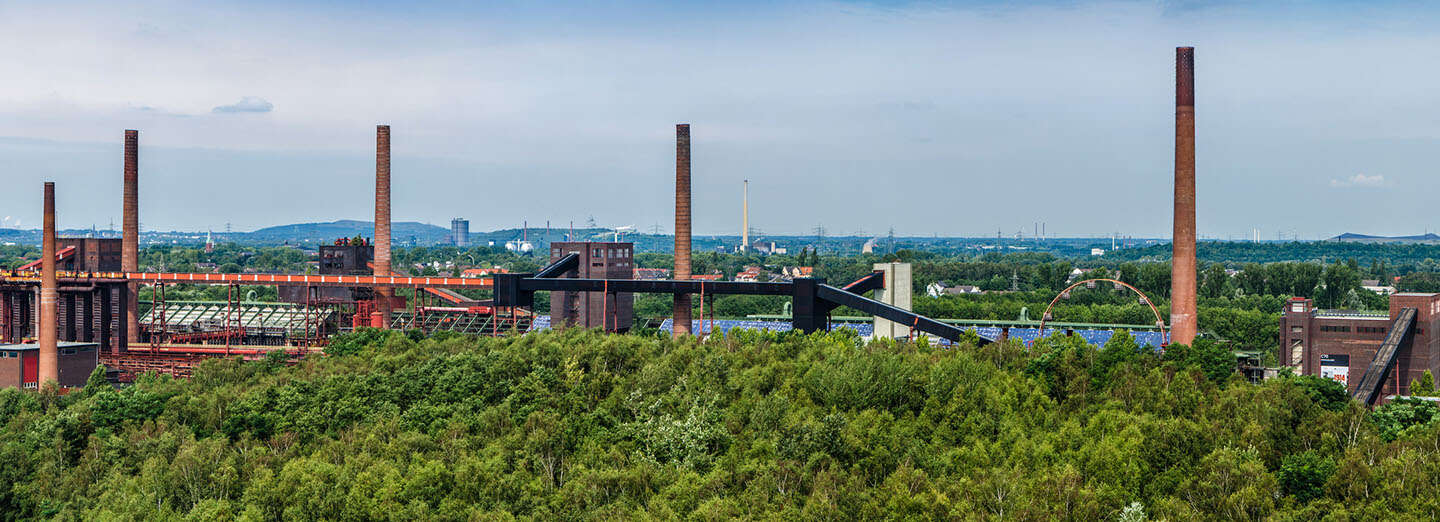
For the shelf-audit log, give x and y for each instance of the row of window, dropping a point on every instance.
(610, 252)
(1343, 329)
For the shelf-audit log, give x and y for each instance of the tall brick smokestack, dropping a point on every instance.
(1183, 320)
(130, 228)
(49, 364)
(382, 217)
(682, 226)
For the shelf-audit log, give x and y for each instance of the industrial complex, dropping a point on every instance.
(79, 305)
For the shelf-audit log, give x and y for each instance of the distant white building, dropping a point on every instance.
(1097, 251)
(939, 288)
(1373, 285)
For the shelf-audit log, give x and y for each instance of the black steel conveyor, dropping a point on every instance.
(1374, 378)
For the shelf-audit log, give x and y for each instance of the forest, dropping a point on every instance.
(584, 426)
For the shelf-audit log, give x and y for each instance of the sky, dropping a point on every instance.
(948, 118)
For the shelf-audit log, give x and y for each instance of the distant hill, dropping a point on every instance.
(402, 232)
(1428, 239)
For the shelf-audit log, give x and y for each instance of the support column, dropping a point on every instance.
(897, 293)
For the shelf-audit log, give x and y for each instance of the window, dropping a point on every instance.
(1328, 328)
(67, 351)
(1296, 329)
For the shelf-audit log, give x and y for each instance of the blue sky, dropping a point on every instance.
(1314, 118)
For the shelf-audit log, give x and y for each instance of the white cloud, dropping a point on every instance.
(247, 104)
(1359, 180)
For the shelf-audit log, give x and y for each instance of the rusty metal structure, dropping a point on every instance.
(1184, 321)
(1065, 294)
(85, 291)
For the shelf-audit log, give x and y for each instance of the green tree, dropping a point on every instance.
(1424, 386)
(1252, 279)
(1215, 281)
(1403, 416)
(1326, 393)
(1155, 279)
(1303, 475)
(1211, 359)
(1339, 281)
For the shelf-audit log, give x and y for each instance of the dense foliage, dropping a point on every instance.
(578, 425)
(1405, 256)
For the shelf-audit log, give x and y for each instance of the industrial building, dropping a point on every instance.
(1375, 354)
(20, 364)
(613, 311)
(87, 310)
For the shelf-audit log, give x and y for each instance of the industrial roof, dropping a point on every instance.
(34, 346)
(209, 315)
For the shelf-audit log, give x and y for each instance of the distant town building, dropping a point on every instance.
(750, 274)
(791, 272)
(483, 272)
(460, 232)
(1374, 285)
(652, 273)
(1097, 251)
(939, 288)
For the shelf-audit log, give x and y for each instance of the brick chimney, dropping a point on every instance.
(49, 364)
(382, 218)
(682, 226)
(1183, 317)
(130, 229)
